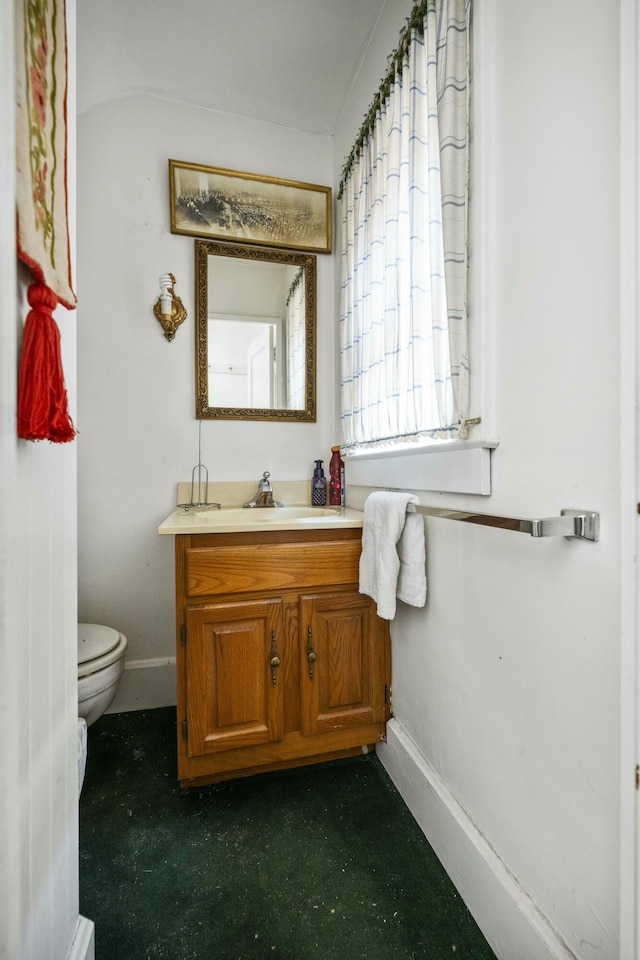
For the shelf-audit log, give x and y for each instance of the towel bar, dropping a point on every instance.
(573, 524)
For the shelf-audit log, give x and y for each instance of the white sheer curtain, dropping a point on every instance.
(295, 333)
(403, 311)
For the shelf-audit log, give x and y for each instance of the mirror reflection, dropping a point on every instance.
(255, 333)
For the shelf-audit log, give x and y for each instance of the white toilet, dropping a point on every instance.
(100, 664)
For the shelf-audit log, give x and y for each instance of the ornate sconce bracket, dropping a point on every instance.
(168, 309)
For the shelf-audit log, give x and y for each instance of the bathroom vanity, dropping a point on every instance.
(280, 661)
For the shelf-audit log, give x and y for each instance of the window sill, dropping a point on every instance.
(448, 466)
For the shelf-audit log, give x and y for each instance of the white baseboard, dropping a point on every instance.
(506, 914)
(83, 946)
(146, 684)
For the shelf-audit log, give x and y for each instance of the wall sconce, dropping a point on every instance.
(168, 309)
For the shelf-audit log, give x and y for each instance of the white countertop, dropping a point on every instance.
(250, 520)
(296, 514)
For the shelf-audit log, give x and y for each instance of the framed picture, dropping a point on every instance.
(223, 204)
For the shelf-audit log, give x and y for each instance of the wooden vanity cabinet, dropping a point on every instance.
(280, 661)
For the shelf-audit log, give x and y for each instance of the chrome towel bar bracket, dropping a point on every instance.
(572, 524)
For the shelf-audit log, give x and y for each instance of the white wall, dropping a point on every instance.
(38, 640)
(506, 701)
(138, 435)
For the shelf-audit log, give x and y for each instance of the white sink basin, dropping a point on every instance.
(266, 514)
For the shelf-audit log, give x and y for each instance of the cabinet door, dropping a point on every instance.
(233, 678)
(342, 657)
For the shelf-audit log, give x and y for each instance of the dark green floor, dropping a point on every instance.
(318, 862)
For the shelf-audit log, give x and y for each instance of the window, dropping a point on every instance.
(403, 192)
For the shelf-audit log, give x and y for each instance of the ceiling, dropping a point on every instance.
(289, 62)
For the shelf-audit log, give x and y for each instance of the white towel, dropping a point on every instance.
(393, 559)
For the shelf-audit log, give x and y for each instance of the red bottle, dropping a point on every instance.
(336, 468)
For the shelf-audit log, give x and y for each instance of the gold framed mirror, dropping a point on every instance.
(255, 333)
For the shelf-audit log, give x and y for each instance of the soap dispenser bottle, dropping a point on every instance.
(336, 474)
(318, 486)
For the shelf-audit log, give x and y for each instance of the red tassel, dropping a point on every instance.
(42, 397)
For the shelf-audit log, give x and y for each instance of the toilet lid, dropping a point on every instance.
(95, 640)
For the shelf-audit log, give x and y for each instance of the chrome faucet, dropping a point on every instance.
(264, 494)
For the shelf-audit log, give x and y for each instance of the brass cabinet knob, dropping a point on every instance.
(312, 656)
(274, 662)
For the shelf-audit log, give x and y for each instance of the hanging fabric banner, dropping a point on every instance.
(42, 226)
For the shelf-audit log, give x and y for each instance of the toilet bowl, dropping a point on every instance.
(100, 664)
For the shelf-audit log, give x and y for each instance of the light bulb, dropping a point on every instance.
(166, 304)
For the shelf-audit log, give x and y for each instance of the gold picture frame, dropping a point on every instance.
(219, 204)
